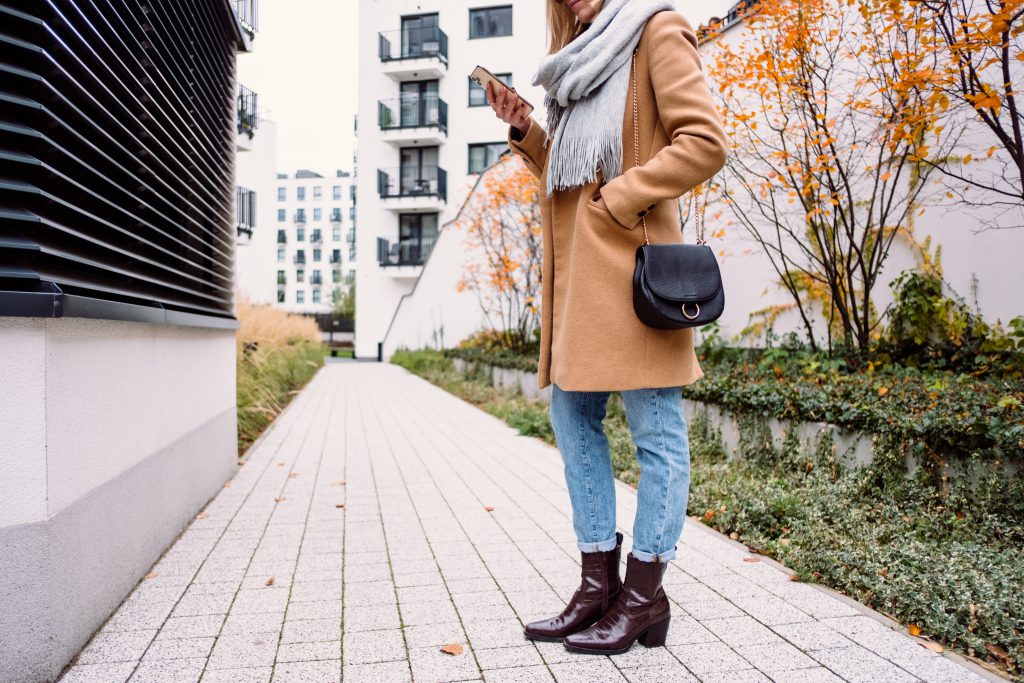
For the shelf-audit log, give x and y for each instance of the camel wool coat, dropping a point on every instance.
(591, 339)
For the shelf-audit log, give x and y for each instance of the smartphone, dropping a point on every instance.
(482, 77)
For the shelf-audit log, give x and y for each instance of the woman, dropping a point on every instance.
(592, 342)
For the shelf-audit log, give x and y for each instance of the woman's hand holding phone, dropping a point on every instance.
(509, 108)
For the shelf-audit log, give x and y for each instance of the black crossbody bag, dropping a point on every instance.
(675, 285)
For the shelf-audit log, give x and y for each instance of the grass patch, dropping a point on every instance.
(946, 560)
(277, 355)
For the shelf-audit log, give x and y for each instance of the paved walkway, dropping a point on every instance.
(381, 518)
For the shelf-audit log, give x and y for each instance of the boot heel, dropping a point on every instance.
(655, 635)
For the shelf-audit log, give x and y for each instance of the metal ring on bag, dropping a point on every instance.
(687, 315)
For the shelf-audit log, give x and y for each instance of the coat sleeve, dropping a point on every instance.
(698, 144)
(531, 147)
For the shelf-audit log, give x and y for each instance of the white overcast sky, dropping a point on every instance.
(305, 70)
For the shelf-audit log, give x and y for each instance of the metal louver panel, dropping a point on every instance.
(117, 137)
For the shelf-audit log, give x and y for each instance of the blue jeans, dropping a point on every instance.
(658, 427)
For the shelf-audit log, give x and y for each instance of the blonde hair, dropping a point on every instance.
(563, 26)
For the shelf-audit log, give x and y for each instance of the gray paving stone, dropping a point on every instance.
(307, 672)
(586, 671)
(169, 671)
(525, 674)
(99, 673)
(419, 613)
(489, 634)
(431, 665)
(660, 673)
(325, 609)
(242, 675)
(816, 675)
(191, 627)
(309, 652)
(434, 634)
(742, 676)
(812, 636)
(262, 622)
(199, 604)
(392, 672)
(703, 658)
(505, 657)
(858, 665)
(740, 631)
(179, 648)
(110, 648)
(371, 618)
(243, 651)
(367, 647)
(266, 599)
(775, 657)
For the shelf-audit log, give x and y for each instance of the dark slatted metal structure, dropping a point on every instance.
(117, 144)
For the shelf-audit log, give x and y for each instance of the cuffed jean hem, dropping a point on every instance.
(599, 547)
(653, 557)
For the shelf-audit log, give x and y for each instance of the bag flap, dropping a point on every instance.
(681, 272)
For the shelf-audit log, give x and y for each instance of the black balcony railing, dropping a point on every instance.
(413, 111)
(300, 216)
(421, 181)
(335, 257)
(316, 237)
(248, 15)
(335, 215)
(245, 209)
(407, 252)
(350, 236)
(413, 43)
(248, 111)
(316, 279)
(299, 258)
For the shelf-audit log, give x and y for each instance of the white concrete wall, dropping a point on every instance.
(379, 292)
(255, 168)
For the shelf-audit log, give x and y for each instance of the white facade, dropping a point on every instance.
(255, 170)
(314, 232)
(403, 146)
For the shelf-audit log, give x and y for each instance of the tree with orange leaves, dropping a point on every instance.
(502, 221)
(980, 43)
(833, 114)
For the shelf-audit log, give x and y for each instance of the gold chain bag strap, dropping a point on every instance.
(675, 285)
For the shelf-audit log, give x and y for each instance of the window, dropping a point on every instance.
(281, 278)
(335, 255)
(300, 296)
(478, 96)
(336, 192)
(318, 214)
(336, 233)
(280, 255)
(300, 275)
(316, 254)
(301, 193)
(282, 237)
(300, 234)
(282, 215)
(300, 256)
(420, 36)
(318, 192)
(280, 296)
(316, 278)
(484, 154)
(315, 236)
(316, 296)
(336, 275)
(351, 213)
(282, 194)
(490, 22)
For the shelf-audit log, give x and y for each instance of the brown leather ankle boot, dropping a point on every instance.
(640, 612)
(599, 586)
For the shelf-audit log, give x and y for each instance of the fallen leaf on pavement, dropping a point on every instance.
(339, 505)
(227, 484)
(280, 500)
(455, 649)
(914, 630)
(751, 559)
(293, 475)
(932, 645)
(709, 515)
(489, 508)
(151, 575)
(340, 482)
(734, 535)
(202, 515)
(270, 581)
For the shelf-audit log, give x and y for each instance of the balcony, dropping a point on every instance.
(299, 259)
(413, 189)
(413, 120)
(404, 258)
(413, 54)
(300, 217)
(247, 12)
(245, 211)
(350, 236)
(335, 258)
(335, 215)
(248, 118)
(316, 237)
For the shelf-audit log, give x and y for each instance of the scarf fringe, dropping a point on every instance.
(574, 162)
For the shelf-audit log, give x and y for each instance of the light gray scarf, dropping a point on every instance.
(586, 84)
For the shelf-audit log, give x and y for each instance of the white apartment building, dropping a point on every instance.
(255, 170)
(315, 239)
(425, 131)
